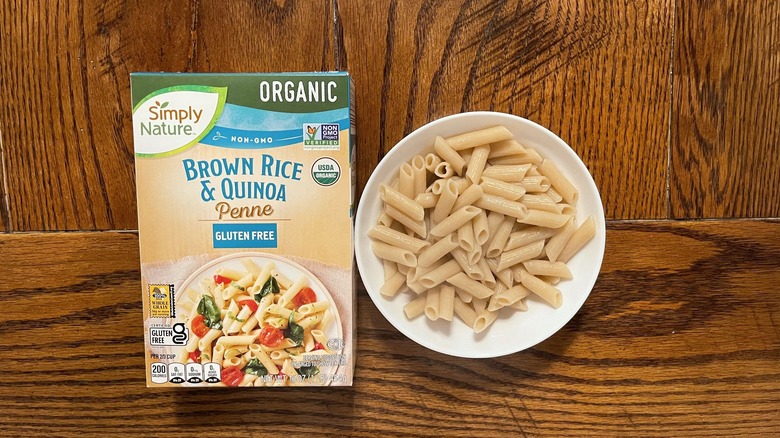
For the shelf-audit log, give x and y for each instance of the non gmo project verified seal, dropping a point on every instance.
(320, 136)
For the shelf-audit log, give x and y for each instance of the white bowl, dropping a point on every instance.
(513, 331)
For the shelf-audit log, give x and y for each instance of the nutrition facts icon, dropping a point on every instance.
(176, 373)
(211, 371)
(159, 372)
(194, 373)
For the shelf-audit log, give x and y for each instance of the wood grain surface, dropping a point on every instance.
(679, 336)
(65, 111)
(673, 105)
(726, 124)
(595, 73)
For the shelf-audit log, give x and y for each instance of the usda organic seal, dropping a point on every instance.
(325, 171)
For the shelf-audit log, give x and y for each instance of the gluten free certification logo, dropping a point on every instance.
(325, 171)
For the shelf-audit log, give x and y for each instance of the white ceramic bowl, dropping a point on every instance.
(513, 331)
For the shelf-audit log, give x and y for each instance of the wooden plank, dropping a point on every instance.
(680, 335)
(65, 105)
(725, 135)
(65, 101)
(272, 36)
(4, 215)
(595, 74)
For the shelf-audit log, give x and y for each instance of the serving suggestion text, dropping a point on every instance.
(220, 180)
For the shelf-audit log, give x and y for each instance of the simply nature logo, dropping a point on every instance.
(172, 119)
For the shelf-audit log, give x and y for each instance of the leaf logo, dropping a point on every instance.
(163, 105)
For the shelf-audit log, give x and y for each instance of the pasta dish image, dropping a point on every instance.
(265, 320)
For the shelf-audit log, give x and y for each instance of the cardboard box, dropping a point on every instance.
(245, 191)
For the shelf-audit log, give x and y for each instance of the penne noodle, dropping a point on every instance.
(466, 238)
(512, 257)
(507, 172)
(431, 161)
(509, 191)
(416, 307)
(446, 302)
(448, 194)
(468, 197)
(426, 200)
(481, 137)
(528, 235)
(454, 221)
(393, 253)
(477, 163)
(474, 288)
(561, 183)
(438, 250)
(418, 227)
(484, 320)
(397, 239)
(584, 233)
(443, 170)
(406, 180)
(547, 268)
(392, 285)
(557, 242)
(544, 219)
(462, 258)
(449, 155)
(440, 274)
(535, 184)
(402, 203)
(464, 311)
(506, 148)
(432, 304)
(497, 243)
(502, 205)
(420, 177)
(481, 228)
(549, 293)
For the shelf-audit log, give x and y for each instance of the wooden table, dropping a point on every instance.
(673, 105)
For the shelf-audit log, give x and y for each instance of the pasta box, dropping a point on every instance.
(245, 186)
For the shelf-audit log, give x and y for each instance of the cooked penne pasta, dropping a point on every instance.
(502, 205)
(503, 189)
(438, 250)
(512, 257)
(476, 243)
(561, 183)
(448, 194)
(449, 155)
(474, 288)
(440, 274)
(432, 304)
(547, 292)
(507, 172)
(477, 163)
(446, 302)
(584, 233)
(481, 137)
(544, 219)
(397, 239)
(454, 221)
(402, 203)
